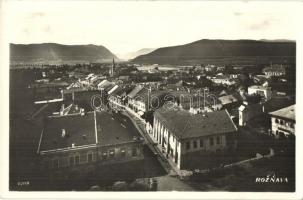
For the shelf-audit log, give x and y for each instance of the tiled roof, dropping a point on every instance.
(288, 112)
(277, 103)
(229, 99)
(112, 131)
(186, 125)
(134, 92)
(81, 130)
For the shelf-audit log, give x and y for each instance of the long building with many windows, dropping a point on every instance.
(181, 133)
(77, 143)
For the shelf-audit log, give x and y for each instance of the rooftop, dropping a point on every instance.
(112, 131)
(186, 125)
(261, 87)
(232, 98)
(79, 130)
(134, 92)
(64, 131)
(287, 112)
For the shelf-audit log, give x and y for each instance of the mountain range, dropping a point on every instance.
(52, 53)
(248, 52)
(243, 52)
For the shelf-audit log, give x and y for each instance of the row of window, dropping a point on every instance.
(282, 122)
(158, 128)
(194, 144)
(75, 160)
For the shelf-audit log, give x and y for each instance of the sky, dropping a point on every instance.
(128, 26)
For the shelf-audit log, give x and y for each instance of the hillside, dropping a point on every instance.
(52, 53)
(132, 55)
(223, 51)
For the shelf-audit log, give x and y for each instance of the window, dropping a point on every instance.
(218, 140)
(187, 145)
(56, 163)
(123, 152)
(72, 161)
(277, 121)
(291, 125)
(211, 141)
(89, 157)
(111, 153)
(195, 144)
(201, 143)
(104, 156)
(77, 160)
(134, 151)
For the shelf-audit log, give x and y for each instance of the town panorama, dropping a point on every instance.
(212, 115)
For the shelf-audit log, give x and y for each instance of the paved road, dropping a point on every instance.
(140, 126)
(168, 183)
(153, 166)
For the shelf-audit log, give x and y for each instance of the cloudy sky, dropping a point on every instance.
(129, 26)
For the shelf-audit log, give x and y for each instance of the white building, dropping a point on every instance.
(181, 134)
(264, 91)
(283, 122)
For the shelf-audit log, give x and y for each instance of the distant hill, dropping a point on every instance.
(135, 54)
(248, 52)
(52, 53)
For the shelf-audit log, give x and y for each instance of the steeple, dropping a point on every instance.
(112, 70)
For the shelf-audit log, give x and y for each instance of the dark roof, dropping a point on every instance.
(186, 125)
(81, 130)
(277, 103)
(111, 130)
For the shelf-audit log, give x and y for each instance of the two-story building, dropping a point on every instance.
(82, 142)
(263, 91)
(117, 98)
(181, 133)
(283, 122)
(144, 99)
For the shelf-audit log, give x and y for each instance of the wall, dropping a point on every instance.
(279, 125)
(176, 149)
(66, 161)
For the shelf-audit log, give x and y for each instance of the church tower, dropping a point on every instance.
(112, 70)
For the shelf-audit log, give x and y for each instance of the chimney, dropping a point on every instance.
(73, 145)
(61, 109)
(63, 134)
